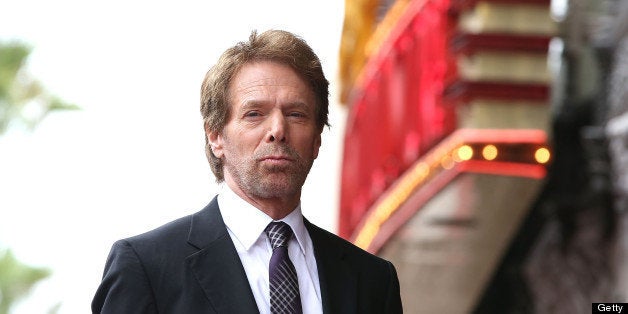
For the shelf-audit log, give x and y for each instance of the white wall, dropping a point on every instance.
(133, 158)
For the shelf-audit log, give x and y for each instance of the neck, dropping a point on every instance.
(275, 207)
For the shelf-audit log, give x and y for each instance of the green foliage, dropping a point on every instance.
(23, 100)
(16, 279)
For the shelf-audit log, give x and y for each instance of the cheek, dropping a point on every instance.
(243, 141)
(316, 148)
(309, 147)
(248, 151)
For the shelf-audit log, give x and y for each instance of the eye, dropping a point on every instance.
(252, 114)
(297, 114)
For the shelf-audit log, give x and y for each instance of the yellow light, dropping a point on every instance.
(489, 152)
(542, 155)
(447, 162)
(421, 171)
(366, 236)
(464, 152)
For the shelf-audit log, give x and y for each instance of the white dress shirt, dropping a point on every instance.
(246, 224)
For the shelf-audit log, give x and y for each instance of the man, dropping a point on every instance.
(264, 106)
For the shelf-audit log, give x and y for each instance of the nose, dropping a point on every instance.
(277, 129)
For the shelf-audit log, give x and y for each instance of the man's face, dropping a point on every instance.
(271, 138)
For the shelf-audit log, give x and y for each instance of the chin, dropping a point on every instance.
(276, 188)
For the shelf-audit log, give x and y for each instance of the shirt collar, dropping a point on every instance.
(247, 223)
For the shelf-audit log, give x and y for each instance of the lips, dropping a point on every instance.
(279, 156)
(287, 158)
(277, 160)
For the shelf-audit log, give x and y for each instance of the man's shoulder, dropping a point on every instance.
(175, 231)
(166, 240)
(170, 230)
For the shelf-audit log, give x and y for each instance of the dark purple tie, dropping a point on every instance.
(284, 285)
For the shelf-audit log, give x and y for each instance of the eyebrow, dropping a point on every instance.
(298, 104)
(252, 104)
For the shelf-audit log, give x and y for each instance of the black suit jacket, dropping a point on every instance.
(191, 266)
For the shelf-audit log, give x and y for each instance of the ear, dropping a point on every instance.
(317, 145)
(215, 141)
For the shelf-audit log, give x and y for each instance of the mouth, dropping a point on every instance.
(277, 160)
(277, 157)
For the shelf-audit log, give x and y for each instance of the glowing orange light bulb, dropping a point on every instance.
(489, 152)
(542, 155)
(464, 152)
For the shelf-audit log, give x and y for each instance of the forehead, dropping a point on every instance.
(268, 77)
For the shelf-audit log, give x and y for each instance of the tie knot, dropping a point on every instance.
(279, 233)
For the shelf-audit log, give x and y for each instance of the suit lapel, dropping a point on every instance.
(216, 265)
(337, 280)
